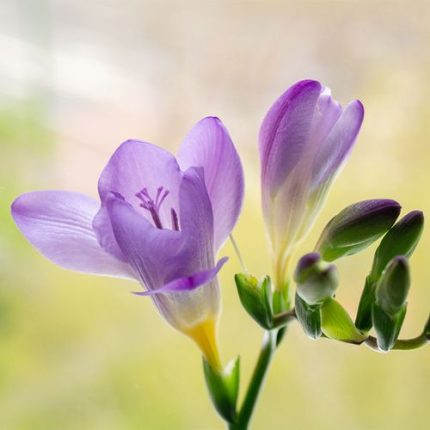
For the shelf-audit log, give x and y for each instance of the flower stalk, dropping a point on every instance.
(267, 351)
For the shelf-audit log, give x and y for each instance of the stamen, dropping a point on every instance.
(175, 222)
(153, 206)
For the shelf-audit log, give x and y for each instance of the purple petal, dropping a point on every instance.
(136, 165)
(285, 132)
(188, 283)
(327, 112)
(196, 219)
(208, 145)
(338, 145)
(153, 253)
(59, 225)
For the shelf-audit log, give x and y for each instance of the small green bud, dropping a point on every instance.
(223, 386)
(402, 239)
(316, 280)
(256, 298)
(356, 227)
(393, 287)
(309, 317)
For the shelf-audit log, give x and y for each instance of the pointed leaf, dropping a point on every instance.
(337, 324)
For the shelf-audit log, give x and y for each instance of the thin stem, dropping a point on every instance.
(237, 251)
(284, 318)
(401, 344)
(257, 380)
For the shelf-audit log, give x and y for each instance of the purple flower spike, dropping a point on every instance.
(304, 140)
(160, 222)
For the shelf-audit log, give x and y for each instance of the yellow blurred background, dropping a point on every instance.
(77, 78)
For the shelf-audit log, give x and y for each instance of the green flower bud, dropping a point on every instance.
(402, 239)
(256, 298)
(316, 280)
(393, 287)
(356, 227)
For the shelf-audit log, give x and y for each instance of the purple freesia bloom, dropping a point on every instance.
(161, 222)
(304, 140)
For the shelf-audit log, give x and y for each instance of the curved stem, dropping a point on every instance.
(401, 344)
(267, 349)
(284, 318)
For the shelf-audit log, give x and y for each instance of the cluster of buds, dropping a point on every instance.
(383, 303)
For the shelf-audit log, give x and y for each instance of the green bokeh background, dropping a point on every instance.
(77, 78)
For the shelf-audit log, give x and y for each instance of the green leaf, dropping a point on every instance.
(256, 298)
(402, 239)
(309, 317)
(387, 326)
(224, 387)
(363, 321)
(356, 227)
(337, 324)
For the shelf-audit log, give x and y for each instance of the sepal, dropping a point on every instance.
(223, 386)
(309, 317)
(387, 326)
(356, 227)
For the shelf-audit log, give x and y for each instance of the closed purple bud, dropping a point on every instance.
(304, 140)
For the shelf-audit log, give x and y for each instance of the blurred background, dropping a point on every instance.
(77, 78)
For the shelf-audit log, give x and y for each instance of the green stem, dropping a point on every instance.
(401, 344)
(284, 318)
(257, 380)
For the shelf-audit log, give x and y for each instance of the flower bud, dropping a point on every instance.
(316, 280)
(256, 298)
(392, 290)
(400, 240)
(356, 227)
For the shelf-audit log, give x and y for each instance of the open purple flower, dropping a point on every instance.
(304, 140)
(161, 222)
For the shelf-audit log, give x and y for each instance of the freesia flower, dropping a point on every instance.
(161, 222)
(304, 140)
